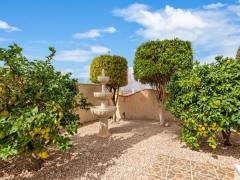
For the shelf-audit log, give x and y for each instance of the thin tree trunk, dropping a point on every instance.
(113, 97)
(116, 94)
(36, 163)
(161, 117)
(114, 102)
(161, 98)
(226, 136)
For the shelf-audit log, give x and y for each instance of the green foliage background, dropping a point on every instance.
(36, 105)
(207, 101)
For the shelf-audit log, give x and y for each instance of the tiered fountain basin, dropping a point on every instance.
(103, 95)
(103, 79)
(103, 112)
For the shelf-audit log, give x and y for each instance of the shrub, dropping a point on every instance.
(207, 101)
(36, 105)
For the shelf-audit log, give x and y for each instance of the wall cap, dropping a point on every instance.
(140, 91)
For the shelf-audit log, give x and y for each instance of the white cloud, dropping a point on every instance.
(214, 5)
(5, 26)
(164, 23)
(99, 49)
(82, 73)
(211, 31)
(93, 33)
(81, 55)
(73, 55)
(235, 9)
(2, 39)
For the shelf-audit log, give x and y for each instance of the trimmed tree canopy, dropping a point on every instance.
(115, 66)
(156, 61)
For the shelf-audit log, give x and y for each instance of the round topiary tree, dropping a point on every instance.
(156, 61)
(116, 68)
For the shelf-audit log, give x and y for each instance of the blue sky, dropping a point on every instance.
(80, 30)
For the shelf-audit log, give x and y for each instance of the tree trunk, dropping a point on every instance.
(161, 117)
(36, 163)
(161, 99)
(115, 99)
(226, 136)
(114, 102)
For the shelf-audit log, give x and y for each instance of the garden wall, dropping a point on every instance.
(140, 105)
(87, 90)
(136, 106)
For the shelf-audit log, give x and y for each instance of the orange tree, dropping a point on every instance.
(36, 105)
(207, 101)
(157, 61)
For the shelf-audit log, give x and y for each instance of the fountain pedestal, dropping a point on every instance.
(103, 112)
(103, 128)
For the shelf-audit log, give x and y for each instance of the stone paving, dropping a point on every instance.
(170, 168)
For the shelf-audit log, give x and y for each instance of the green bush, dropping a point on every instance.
(207, 101)
(156, 61)
(36, 105)
(116, 68)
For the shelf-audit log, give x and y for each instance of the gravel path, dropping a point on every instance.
(129, 153)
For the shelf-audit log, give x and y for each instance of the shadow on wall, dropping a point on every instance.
(142, 105)
(88, 90)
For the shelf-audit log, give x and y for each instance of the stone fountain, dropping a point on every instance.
(103, 112)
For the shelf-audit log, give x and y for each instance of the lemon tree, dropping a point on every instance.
(36, 105)
(207, 101)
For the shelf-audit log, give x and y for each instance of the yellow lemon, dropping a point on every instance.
(45, 136)
(42, 155)
(214, 146)
(5, 114)
(37, 130)
(47, 129)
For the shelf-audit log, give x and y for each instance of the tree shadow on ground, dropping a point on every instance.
(91, 155)
(231, 151)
